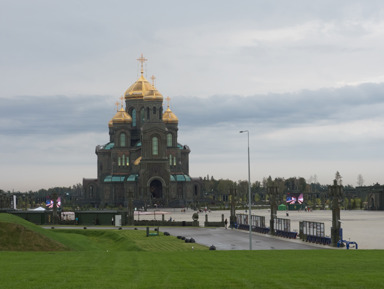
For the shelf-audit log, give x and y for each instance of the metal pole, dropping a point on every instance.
(249, 194)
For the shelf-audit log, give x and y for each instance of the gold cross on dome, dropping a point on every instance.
(142, 60)
(168, 100)
(117, 105)
(153, 80)
(122, 101)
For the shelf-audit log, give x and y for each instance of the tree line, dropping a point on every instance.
(213, 192)
(315, 194)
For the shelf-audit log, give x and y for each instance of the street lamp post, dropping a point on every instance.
(249, 194)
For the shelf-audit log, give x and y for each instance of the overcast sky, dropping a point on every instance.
(306, 78)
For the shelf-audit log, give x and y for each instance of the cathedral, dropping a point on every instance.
(143, 159)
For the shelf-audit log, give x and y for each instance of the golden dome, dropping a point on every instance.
(120, 117)
(169, 116)
(142, 89)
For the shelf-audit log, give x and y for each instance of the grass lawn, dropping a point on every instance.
(128, 259)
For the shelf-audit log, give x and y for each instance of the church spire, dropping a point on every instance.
(142, 60)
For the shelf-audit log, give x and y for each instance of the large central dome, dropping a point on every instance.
(140, 89)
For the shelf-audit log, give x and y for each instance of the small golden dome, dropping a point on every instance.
(121, 117)
(169, 116)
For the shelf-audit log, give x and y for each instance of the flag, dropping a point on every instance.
(301, 199)
(291, 200)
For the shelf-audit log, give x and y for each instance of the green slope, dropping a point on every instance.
(16, 234)
(82, 240)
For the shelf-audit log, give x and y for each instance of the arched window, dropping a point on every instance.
(133, 117)
(123, 160)
(154, 110)
(122, 139)
(174, 161)
(169, 140)
(119, 161)
(170, 160)
(127, 161)
(155, 146)
(142, 115)
(160, 113)
(147, 113)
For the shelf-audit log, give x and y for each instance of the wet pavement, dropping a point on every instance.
(230, 239)
(364, 227)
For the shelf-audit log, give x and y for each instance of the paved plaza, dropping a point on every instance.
(229, 239)
(364, 227)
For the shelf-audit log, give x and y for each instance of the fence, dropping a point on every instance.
(283, 228)
(257, 222)
(312, 228)
(282, 224)
(313, 232)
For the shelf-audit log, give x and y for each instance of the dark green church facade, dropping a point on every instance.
(143, 159)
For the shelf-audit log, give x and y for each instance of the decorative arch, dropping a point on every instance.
(156, 186)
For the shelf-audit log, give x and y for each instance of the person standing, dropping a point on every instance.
(226, 223)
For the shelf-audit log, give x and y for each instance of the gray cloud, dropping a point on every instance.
(66, 115)
(283, 110)
(54, 115)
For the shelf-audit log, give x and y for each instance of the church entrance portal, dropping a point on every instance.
(156, 188)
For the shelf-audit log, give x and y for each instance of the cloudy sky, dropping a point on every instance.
(306, 78)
